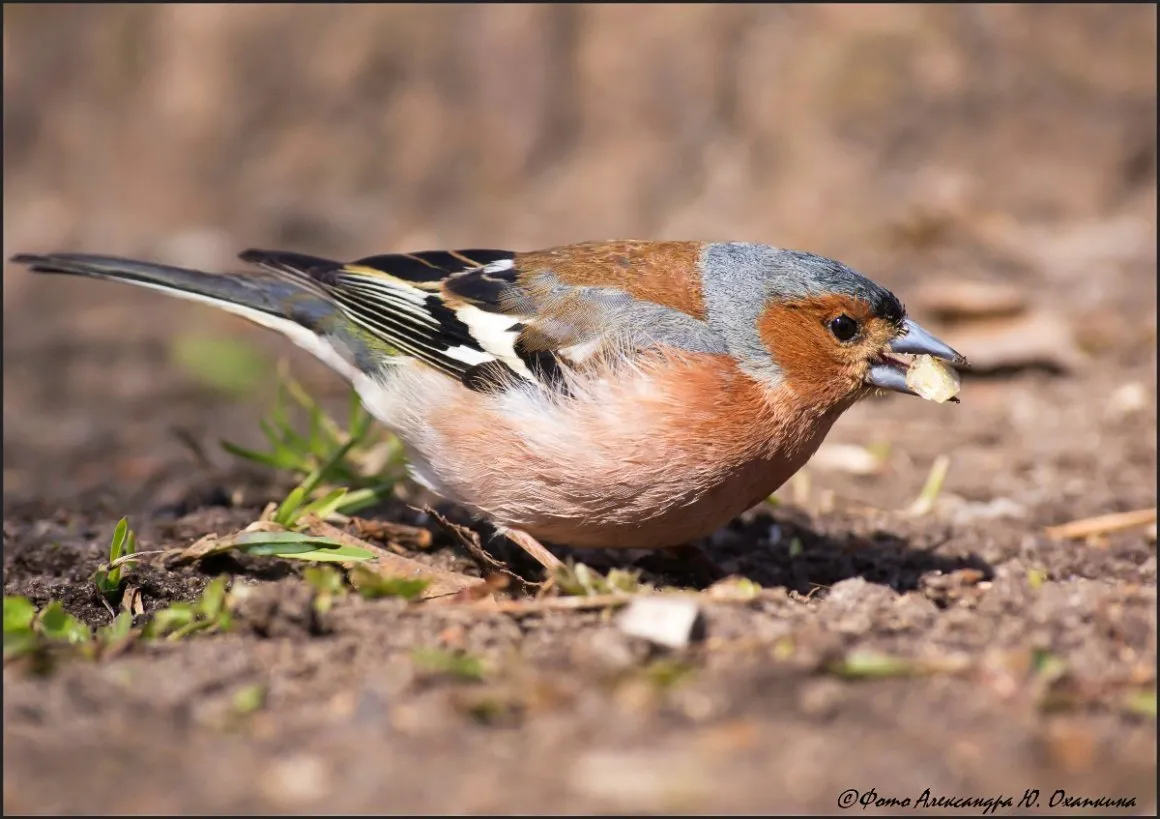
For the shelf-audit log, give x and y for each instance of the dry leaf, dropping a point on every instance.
(131, 602)
(415, 537)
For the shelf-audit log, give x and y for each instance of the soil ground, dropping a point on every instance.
(1034, 647)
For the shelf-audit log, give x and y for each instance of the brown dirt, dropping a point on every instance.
(1012, 143)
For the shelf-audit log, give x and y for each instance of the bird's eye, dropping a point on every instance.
(843, 327)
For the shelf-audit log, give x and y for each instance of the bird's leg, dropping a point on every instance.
(533, 547)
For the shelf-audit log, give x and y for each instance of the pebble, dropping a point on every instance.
(663, 620)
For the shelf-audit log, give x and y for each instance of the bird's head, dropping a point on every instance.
(810, 323)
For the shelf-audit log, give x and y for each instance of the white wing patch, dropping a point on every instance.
(400, 305)
(494, 334)
(499, 266)
(468, 355)
(417, 321)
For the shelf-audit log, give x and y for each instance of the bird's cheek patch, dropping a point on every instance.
(798, 344)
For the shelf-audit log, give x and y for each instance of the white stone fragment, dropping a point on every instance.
(663, 620)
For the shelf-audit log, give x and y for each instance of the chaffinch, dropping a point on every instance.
(605, 394)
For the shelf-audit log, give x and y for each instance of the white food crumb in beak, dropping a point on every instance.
(932, 379)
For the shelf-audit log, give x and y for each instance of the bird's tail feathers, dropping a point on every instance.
(276, 302)
(221, 289)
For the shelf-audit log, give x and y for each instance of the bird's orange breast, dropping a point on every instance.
(656, 455)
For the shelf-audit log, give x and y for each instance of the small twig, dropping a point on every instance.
(135, 555)
(1102, 524)
(109, 607)
(469, 539)
(545, 588)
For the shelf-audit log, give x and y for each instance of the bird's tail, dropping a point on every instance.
(294, 308)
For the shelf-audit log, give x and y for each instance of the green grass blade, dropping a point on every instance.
(361, 499)
(318, 415)
(286, 514)
(298, 546)
(343, 554)
(105, 582)
(18, 613)
(264, 544)
(58, 624)
(248, 538)
(19, 642)
(213, 599)
(290, 437)
(270, 430)
(271, 459)
(276, 549)
(371, 584)
(118, 541)
(316, 477)
(354, 413)
(325, 506)
(286, 443)
(314, 436)
(119, 629)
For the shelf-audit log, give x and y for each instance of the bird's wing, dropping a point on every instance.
(398, 299)
(486, 317)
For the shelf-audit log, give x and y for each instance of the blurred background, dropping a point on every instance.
(1011, 145)
(186, 131)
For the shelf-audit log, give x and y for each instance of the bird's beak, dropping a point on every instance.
(913, 339)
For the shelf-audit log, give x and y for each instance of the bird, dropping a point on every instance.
(604, 394)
